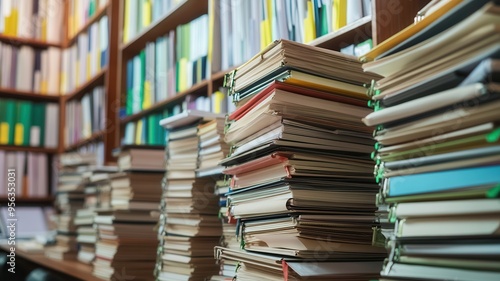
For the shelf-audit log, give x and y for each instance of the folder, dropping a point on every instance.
(442, 180)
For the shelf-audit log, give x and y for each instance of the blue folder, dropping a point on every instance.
(443, 180)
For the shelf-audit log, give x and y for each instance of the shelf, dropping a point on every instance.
(34, 200)
(183, 13)
(28, 95)
(27, 41)
(95, 136)
(96, 17)
(355, 32)
(28, 149)
(77, 93)
(202, 86)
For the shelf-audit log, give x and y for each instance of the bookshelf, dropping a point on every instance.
(384, 13)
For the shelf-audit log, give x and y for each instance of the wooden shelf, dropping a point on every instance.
(200, 87)
(96, 17)
(183, 13)
(72, 269)
(27, 41)
(95, 136)
(355, 32)
(97, 80)
(28, 149)
(33, 200)
(28, 95)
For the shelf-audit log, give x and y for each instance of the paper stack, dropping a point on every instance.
(126, 244)
(438, 153)
(302, 187)
(189, 225)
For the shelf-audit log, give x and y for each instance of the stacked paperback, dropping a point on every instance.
(126, 239)
(438, 153)
(189, 227)
(302, 188)
(70, 198)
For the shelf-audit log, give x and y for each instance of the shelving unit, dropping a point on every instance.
(106, 77)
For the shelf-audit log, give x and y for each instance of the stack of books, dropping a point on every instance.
(70, 198)
(190, 227)
(127, 239)
(438, 152)
(96, 180)
(302, 187)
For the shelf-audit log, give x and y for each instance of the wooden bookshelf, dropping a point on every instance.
(84, 88)
(28, 95)
(96, 17)
(36, 43)
(200, 88)
(183, 13)
(28, 149)
(94, 137)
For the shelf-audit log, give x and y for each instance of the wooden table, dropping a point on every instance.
(70, 268)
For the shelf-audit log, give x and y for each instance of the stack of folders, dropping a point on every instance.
(302, 187)
(69, 199)
(38, 19)
(126, 239)
(189, 225)
(96, 178)
(438, 153)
